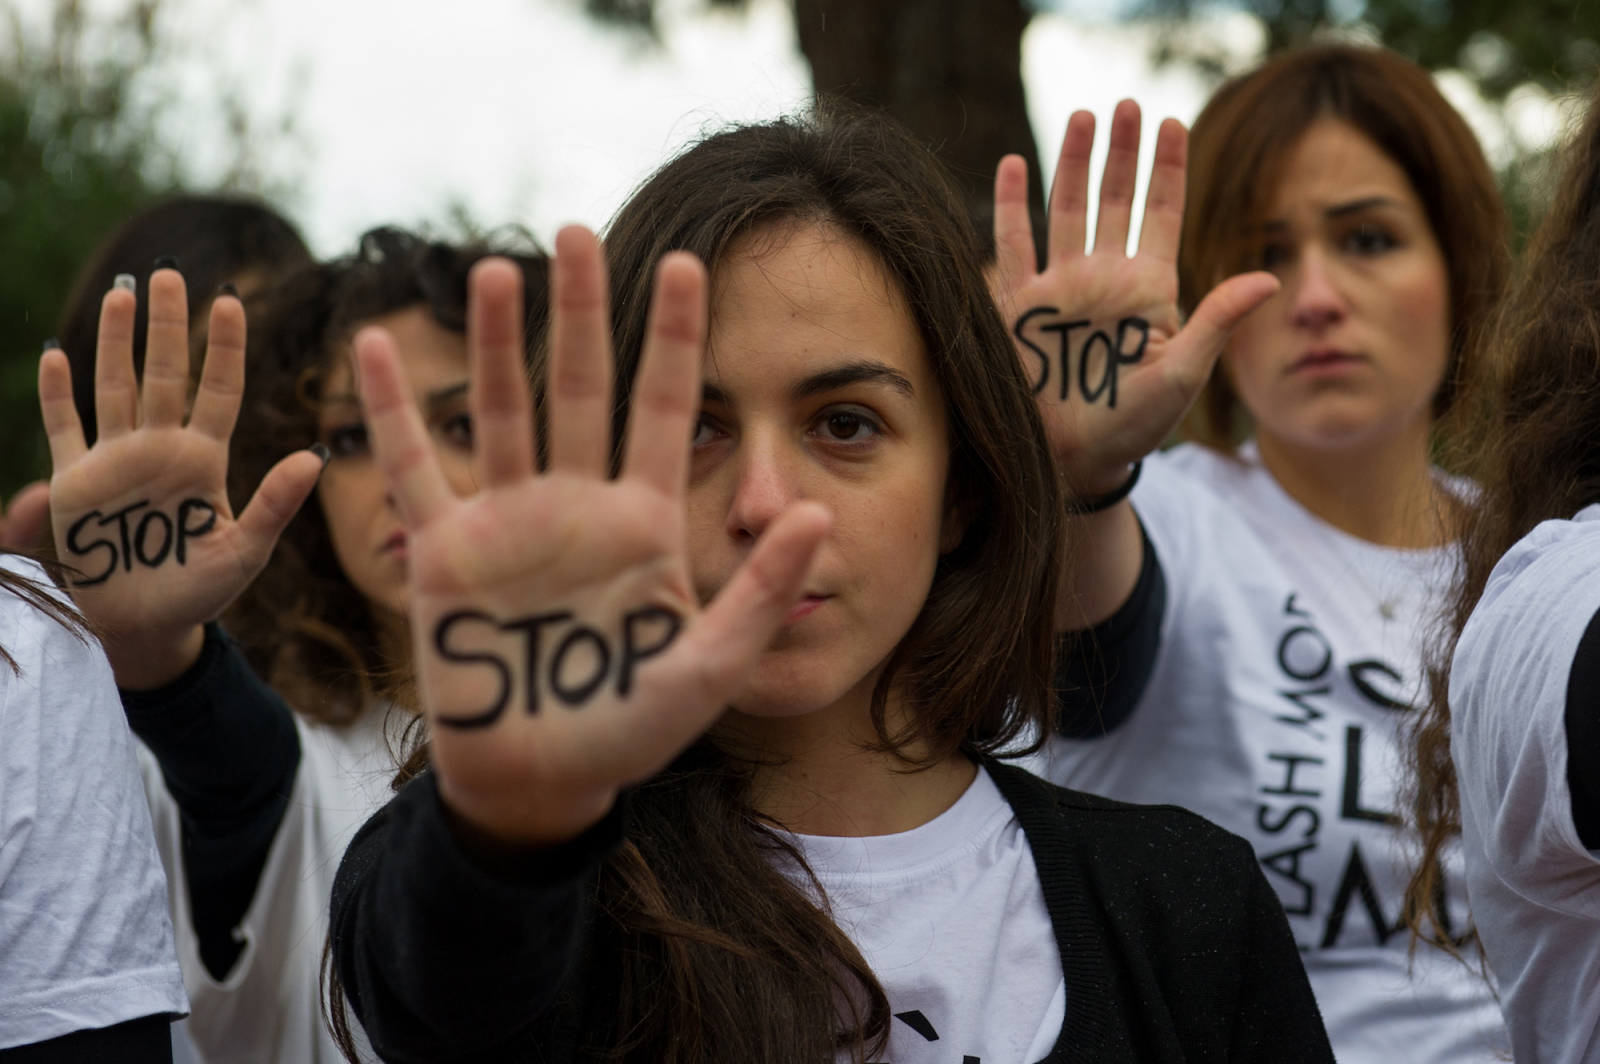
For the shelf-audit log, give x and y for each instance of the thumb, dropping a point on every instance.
(1195, 348)
(276, 501)
(742, 620)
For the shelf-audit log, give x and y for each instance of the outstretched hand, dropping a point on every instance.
(560, 652)
(1099, 332)
(142, 517)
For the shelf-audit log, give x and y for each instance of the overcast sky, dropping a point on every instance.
(525, 111)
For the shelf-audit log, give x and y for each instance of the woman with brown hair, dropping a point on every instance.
(257, 787)
(716, 700)
(1243, 636)
(1509, 755)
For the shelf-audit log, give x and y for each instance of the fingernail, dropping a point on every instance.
(321, 451)
(51, 344)
(125, 282)
(165, 262)
(227, 288)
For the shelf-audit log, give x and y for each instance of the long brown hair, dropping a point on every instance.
(303, 626)
(1241, 143)
(1537, 459)
(720, 956)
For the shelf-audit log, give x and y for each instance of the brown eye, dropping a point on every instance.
(845, 426)
(458, 430)
(348, 441)
(1370, 240)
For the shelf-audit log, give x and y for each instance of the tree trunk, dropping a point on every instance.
(949, 70)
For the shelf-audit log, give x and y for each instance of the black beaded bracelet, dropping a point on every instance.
(1080, 507)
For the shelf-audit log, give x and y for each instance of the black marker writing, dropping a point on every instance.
(574, 671)
(633, 651)
(440, 634)
(1098, 349)
(150, 541)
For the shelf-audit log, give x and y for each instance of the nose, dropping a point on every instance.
(1318, 303)
(768, 483)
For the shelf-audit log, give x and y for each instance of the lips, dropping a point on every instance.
(1323, 360)
(805, 607)
(395, 544)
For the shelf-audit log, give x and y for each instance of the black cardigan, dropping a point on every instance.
(1173, 946)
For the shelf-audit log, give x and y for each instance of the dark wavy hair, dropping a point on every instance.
(303, 626)
(1242, 141)
(215, 239)
(1537, 459)
(721, 957)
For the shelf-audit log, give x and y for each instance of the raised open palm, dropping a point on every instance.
(1099, 332)
(560, 651)
(143, 516)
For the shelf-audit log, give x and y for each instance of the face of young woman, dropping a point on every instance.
(1356, 343)
(817, 387)
(362, 520)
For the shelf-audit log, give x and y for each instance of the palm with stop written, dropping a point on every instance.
(560, 652)
(143, 517)
(1099, 331)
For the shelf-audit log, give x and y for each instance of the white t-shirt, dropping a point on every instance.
(1535, 888)
(1275, 709)
(85, 940)
(268, 1010)
(951, 918)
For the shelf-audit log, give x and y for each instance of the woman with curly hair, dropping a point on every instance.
(272, 732)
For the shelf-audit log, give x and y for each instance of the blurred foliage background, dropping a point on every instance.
(81, 147)
(82, 139)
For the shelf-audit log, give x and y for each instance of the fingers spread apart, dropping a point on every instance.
(666, 391)
(394, 425)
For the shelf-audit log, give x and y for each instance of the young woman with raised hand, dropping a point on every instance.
(218, 239)
(1510, 754)
(254, 803)
(713, 767)
(1256, 614)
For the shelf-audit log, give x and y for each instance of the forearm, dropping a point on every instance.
(228, 752)
(1103, 557)
(446, 953)
(1101, 672)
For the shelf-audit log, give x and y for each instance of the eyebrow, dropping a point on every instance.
(864, 372)
(1357, 206)
(438, 397)
(443, 395)
(1277, 225)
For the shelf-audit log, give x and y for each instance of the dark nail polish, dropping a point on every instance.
(165, 262)
(321, 451)
(51, 344)
(228, 288)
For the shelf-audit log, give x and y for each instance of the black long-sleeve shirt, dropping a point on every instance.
(228, 751)
(1172, 945)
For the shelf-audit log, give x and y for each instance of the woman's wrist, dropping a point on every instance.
(144, 664)
(1098, 502)
(491, 832)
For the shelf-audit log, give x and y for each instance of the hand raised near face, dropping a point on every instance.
(560, 652)
(143, 516)
(1099, 332)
